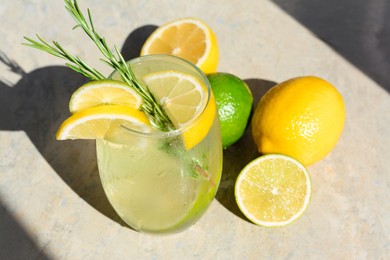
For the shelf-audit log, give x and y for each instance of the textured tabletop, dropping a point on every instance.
(52, 204)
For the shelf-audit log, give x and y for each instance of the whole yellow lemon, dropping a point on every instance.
(302, 117)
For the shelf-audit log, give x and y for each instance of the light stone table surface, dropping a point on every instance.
(52, 204)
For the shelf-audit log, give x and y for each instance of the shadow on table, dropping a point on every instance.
(37, 104)
(236, 156)
(15, 243)
(359, 30)
(133, 44)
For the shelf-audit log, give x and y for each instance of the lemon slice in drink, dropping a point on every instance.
(188, 38)
(96, 122)
(273, 190)
(184, 99)
(104, 92)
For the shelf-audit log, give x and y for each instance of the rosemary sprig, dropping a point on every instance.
(150, 106)
(77, 64)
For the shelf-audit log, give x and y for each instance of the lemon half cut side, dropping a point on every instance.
(187, 38)
(273, 190)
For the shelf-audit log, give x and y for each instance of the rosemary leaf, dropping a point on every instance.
(151, 107)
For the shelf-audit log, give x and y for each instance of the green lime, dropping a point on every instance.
(234, 103)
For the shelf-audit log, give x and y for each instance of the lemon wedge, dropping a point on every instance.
(96, 122)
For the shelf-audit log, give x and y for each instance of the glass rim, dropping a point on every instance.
(156, 133)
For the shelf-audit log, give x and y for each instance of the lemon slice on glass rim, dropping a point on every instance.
(97, 122)
(104, 92)
(100, 105)
(185, 100)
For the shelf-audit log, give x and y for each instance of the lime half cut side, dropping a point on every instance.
(273, 190)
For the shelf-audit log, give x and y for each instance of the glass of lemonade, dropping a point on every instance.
(153, 181)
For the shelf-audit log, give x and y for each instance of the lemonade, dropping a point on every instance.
(156, 127)
(153, 180)
(153, 183)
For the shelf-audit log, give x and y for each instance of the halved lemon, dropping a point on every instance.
(273, 190)
(188, 38)
(184, 99)
(96, 122)
(104, 92)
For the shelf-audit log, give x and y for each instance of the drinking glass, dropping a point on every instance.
(152, 180)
